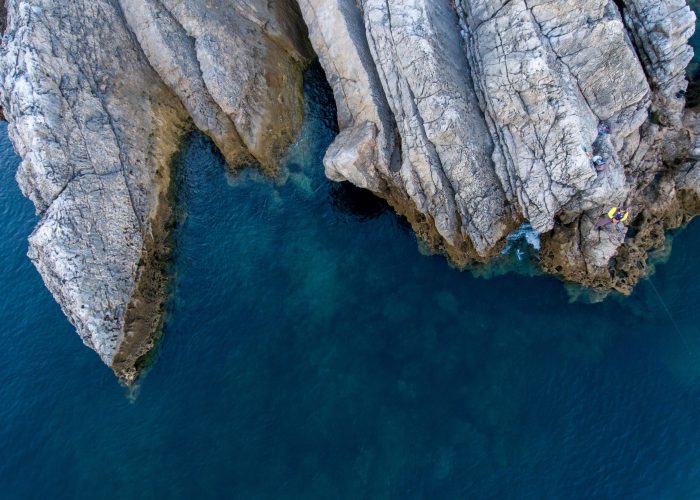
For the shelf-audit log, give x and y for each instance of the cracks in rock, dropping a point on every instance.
(90, 78)
(382, 77)
(492, 16)
(544, 39)
(469, 41)
(639, 52)
(444, 185)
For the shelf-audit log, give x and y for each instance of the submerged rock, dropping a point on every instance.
(471, 117)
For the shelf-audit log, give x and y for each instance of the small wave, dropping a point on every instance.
(524, 233)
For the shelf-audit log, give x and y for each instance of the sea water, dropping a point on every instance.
(311, 350)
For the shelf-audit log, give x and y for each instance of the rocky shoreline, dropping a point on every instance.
(470, 117)
(547, 76)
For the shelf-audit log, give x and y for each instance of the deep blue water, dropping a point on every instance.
(311, 351)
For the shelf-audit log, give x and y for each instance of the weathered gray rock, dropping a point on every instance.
(550, 72)
(249, 60)
(97, 128)
(661, 31)
(236, 66)
(499, 125)
(446, 167)
(172, 54)
(398, 70)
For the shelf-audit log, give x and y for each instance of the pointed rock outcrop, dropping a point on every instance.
(98, 94)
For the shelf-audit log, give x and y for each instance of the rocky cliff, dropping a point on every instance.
(471, 117)
(97, 94)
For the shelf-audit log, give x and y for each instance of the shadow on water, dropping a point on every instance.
(360, 204)
(317, 89)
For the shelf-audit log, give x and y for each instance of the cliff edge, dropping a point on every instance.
(97, 95)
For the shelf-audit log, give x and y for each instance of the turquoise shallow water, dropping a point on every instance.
(311, 351)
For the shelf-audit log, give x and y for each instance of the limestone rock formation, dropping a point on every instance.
(472, 116)
(413, 107)
(235, 64)
(97, 94)
(96, 129)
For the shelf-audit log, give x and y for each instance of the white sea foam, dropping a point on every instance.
(524, 233)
